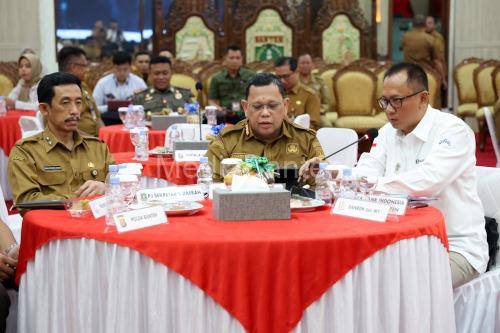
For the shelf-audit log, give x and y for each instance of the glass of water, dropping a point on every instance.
(366, 183)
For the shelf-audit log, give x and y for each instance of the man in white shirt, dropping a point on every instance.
(425, 152)
(119, 85)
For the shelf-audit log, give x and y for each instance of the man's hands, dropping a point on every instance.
(90, 187)
(7, 266)
(11, 103)
(310, 168)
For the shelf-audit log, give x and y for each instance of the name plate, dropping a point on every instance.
(171, 194)
(189, 155)
(140, 218)
(397, 206)
(98, 207)
(361, 209)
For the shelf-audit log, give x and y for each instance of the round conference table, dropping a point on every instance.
(313, 273)
(10, 133)
(118, 140)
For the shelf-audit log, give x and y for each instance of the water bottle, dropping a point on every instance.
(141, 116)
(130, 117)
(347, 184)
(204, 175)
(112, 171)
(211, 114)
(114, 201)
(142, 146)
(173, 135)
(3, 106)
(322, 190)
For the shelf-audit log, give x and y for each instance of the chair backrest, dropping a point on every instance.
(490, 122)
(29, 126)
(355, 89)
(205, 130)
(6, 85)
(463, 75)
(434, 81)
(483, 83)
(496, 81)
(327, 74)
(489, 193)
(303, 120)
(379, 73)
(332, 139)
(184, 81)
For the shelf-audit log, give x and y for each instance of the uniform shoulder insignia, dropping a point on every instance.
(299, 127)
(34, 138)
(142, 91)
(231, 129)
(181, 89)
(309, 90)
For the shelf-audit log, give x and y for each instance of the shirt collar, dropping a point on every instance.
(118, 83)
(50, 140)
(296, 87)
(424, 126)
(226, 72)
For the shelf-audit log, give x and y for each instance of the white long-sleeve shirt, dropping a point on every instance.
(33, 97)
(436, 159)
(108, 88)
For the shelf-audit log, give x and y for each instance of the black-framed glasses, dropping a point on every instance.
(396, 102)
(272, 106)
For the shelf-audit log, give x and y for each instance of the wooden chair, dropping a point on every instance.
(327, 73)
(206, 76)
(496, 81)
(261, 66)
(463, 75)
(434, 81)
(355, 88)
(8, 76)
(183, 77)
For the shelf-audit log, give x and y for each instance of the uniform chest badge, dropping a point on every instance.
(152, 90)
(292, 148)
(178, 94)
(164, 101)
(298, 102)
(90, 165)
(148, 97)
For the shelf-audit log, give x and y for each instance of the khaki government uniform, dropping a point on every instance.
(440, 45)
(419, 47)
(90, 117)
(304, 100)
(292, 147)
(227, 89)
(42, 168)
(316, 83)
(156, 101)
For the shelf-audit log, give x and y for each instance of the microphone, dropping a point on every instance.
(371, 134)
(199, 87)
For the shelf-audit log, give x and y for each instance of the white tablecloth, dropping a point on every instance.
(83, 285)
(4, 179)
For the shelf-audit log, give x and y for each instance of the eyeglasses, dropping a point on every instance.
(396, 102)
(285, 76)
(272, 107)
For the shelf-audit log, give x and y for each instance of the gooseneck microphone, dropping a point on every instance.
(371, 133)
(199, 88)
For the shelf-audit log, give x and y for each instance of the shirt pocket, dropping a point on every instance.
(98, 174)
(51, 178)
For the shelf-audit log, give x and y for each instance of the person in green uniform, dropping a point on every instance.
(162, 98)
(227, 87)
(302, 99)
(73, 60)
(266, 131)
(59, 162)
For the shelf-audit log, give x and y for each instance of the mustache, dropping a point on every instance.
(72, 118)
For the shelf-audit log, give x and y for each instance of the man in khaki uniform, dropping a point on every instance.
(302, 99)
(162, 97)
(420, 48)
(58, 162)
(266, 131)
(430, 28)
(305, 66)
(73, 60)
(141, 65)
(227, 87)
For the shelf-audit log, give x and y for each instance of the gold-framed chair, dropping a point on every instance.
(486, 97)
(183, 77)
(261, 66)
(8, 76)
(434, 82)
(327, 73)
(496, 81)
(355, 88)
(463, 75)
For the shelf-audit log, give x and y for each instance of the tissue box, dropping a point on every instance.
(161, 122)
(240, 206)
(191, 145)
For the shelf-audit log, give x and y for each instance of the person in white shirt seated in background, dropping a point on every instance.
(23, 96)
(119, 85)
(425, 152)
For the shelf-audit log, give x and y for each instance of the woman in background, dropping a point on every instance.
(24, 96)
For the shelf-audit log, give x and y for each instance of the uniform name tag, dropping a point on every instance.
(52, 168)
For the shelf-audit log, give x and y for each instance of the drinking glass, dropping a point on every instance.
(122, 112)
(366, 184)
(188, 134)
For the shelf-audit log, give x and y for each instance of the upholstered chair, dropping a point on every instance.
(466, 92)
(327, 73)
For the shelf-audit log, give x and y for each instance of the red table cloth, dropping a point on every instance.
(118, 140)
(264, 273)
(10, 131)
(179, 173)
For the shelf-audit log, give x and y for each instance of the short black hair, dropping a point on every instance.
(106, 53)
(139, 53)
(265, 79)
(121, 57)
(67, 55)
(419, 21)
(232, 47)
(417, 79)
(46, 86)
(160, 60)
(283, 61)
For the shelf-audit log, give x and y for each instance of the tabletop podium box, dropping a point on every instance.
(191, 145)
(162, 122)
(259, 205)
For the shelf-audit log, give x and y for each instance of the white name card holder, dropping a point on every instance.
(140, 218)
(397, 205)
(98, 207)
(361, 209)
(188, 155)
(171, 194)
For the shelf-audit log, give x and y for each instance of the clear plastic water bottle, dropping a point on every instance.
(142, 146)
(173, 135)
(322, 189)
(211, 114)
(130, 117)
(3, 106)
(112, 171)
(114, 201)
(347, 184)
(141, 115)
(204, 175)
